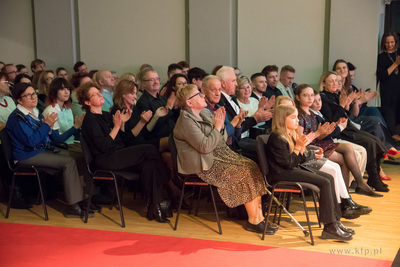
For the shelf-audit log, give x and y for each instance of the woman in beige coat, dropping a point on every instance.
(202, 150)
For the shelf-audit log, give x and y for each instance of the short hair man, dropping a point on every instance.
(259, 84)
(211, 88)
(80, 67)
(228, 85)
(11, 71)
(106, 82)
(185, 66)
(38, 65)
(196, 75)
(152, 100)
(286, 78)
(271, 73)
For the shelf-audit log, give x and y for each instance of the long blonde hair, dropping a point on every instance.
(281, 112)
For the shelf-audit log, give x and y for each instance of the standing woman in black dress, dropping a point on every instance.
(389, 79)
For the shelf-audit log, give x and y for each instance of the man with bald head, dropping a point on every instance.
(106, 82)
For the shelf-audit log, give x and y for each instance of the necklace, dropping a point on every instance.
(396, 70)
(5, 104)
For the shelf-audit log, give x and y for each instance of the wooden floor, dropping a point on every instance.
(377, 234)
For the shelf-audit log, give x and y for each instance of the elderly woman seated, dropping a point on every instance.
(202, 150)
(33, 145)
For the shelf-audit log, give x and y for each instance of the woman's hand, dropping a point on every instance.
(50, 119)
(79, 120)
(117, 120)
(126, 115)
(319, 154)
(343, 122)
(219, 118)
(146, 116)
(161, 112)
(397, 62)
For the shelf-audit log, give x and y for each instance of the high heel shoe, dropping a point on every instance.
(370, 192)
(154, 213)
(385, 178)
(393, 153)
(378, 185)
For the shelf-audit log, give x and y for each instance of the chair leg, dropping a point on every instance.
(46, 217)
(316, 209)
(308, 219)
(180, 205)
(121, 213)
(89, 201)
(198, 202)
(122, 189)
(10, 196)
(215, 208)
(281, 208)
(268, 212)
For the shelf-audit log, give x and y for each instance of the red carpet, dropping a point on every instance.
(32, 245)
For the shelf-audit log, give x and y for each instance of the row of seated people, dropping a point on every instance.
(139, 126)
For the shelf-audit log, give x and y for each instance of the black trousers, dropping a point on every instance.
(329, 208)
(144, 158)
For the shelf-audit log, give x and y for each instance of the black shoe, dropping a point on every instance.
(378, 185)
(100, 199)
(370, 193)
(258, 228)
(166, 208)
(154, 213)
(272, 227)
(75, 211)
(332, 231)
(349, 204)
(93, 207)
(345, 229)
(350, 214)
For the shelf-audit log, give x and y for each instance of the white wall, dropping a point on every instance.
(212, 33)
(54, 33)
(354, 36)
(280, 33)
(16, 32)
(122, 35)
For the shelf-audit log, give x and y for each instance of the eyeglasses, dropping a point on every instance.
(199, 93)
(95, 94)
(30, 96)
(152, 79)
(244, 88)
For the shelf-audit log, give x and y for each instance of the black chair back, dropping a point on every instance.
(7, 148)
(262, 157)
(87, 155)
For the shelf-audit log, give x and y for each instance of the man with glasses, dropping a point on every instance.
(11, 71)
(152, 100)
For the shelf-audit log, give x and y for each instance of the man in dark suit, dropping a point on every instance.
(228, 85)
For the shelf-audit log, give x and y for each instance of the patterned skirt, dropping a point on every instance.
(237, 178)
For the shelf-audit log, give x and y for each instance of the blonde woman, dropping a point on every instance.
(285, 152)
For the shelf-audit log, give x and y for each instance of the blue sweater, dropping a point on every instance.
(27, 141)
